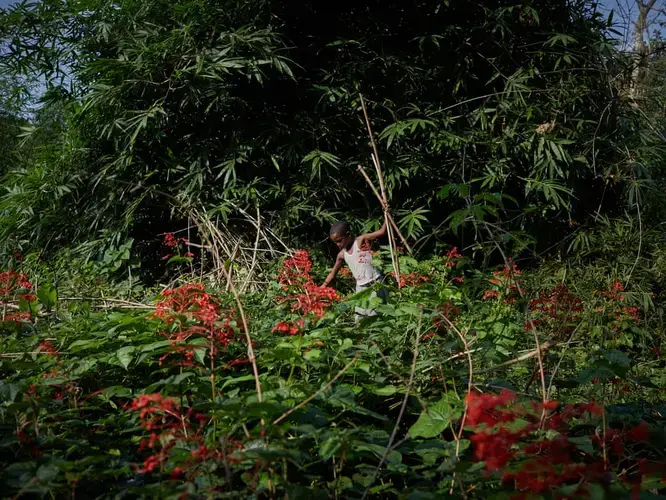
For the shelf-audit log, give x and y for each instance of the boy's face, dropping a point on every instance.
(342, 240)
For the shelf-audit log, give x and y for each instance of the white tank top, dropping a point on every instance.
(360, 265)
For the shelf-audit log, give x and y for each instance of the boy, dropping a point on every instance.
(355, 251)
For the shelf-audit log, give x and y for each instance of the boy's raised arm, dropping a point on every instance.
(380, 233)
(336, 267)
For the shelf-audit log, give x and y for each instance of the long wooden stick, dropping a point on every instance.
(379, 198)
(320, 391)
(375, 158)
(391, 236)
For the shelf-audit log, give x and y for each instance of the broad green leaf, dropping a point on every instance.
(47, 295)
(437, 417)
(125, 355)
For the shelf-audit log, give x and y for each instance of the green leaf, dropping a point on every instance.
(583, 443)
(125, 355)
(329, 447)
(435, 419)
(177, 259)
(47, 295)
(312, 354)
(47, 473)
(388, 390)
(200, 355)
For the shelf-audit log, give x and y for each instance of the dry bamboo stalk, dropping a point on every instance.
(391, 236)
(389, 228)
(254, 254)
(391, 220)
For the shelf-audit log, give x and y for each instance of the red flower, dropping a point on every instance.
(490, 294)
(170, 240)
(48, 347)
(639, 433)
(150, 464)
(450, 255)
(592, 408)
(239, 361)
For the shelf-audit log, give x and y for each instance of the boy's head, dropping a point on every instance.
(340, 234)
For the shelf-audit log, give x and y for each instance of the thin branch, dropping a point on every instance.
(640, 244)
(470, 385)
(402, 408)
(320, 391)
(536, 352)
(390, 217)
(375, 160)
(250, 348)
(507, 263)
(254, 253)
(557, 367)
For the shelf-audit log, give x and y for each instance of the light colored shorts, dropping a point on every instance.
(382, 293)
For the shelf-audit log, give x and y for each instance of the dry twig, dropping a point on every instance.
(410, 382)
(390, 217)
(320, 391)
(375, 160)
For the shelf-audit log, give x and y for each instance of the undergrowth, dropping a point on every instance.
(441, 394)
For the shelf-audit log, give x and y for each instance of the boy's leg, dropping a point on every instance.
(362, 312)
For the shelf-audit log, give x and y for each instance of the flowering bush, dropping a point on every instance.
(305, 298)
(15, 286)
(533, 449)
(165, 403)
(189, 312)
(504, 284)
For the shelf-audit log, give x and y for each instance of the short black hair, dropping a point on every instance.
(341, 227)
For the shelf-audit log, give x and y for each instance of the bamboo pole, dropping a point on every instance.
(391, 220)
(389, 228)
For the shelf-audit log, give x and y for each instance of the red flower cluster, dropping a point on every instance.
(411, 279)
(14, 285)
(509, 437)
(450, 256)
(345, 272)
(619, 312)
(170, 241)
(291, 329)
(295, 270)
(558, 308)
(189, 312)
(11, 282)
(315, 300)
(170, 426)
(305, 296)
(17, 317)
(447, 310)
(48, 347)
(504, 283)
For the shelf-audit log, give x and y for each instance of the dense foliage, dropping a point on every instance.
(160, 336)
(514, 114)
(165, 402)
